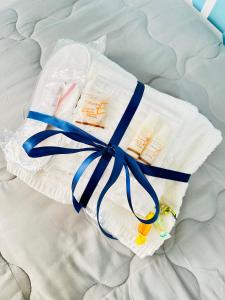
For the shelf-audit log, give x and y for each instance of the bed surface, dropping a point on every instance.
(48, 252)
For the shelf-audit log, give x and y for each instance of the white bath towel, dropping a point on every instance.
(75, 71)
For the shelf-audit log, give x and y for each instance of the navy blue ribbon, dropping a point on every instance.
(105, 152)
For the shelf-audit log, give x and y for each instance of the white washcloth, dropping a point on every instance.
(80, 69)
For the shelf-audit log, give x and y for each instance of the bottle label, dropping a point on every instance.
(93, 111)
(151, 152)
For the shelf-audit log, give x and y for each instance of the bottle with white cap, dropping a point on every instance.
(143, 136)
(157, 143)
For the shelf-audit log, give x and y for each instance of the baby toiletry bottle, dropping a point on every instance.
(143, 230)
(93, 104)
(143, 136)
(156, 144)
(160, 224)
(67, 101)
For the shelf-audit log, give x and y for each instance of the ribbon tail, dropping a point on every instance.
(85, 164)
(164, 173)
(140, 177)
(117, 168)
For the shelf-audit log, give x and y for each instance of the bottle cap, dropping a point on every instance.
(140, 239)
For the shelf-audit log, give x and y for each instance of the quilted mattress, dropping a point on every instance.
(48, 252)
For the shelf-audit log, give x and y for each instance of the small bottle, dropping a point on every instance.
(143, 230)
(67, 101)
(93, 104)
(160, 223)
(161, 227)
(155, 146)
(143, 137)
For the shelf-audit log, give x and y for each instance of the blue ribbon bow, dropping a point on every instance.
(105, 152)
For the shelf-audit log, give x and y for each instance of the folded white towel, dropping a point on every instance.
(75, 71)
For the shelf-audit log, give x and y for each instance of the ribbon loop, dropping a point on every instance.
(80, 171)
(142, 180)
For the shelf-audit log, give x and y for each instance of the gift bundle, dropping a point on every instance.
(119, 150)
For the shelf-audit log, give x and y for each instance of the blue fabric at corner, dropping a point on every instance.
(217, 16)
(198, 4)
